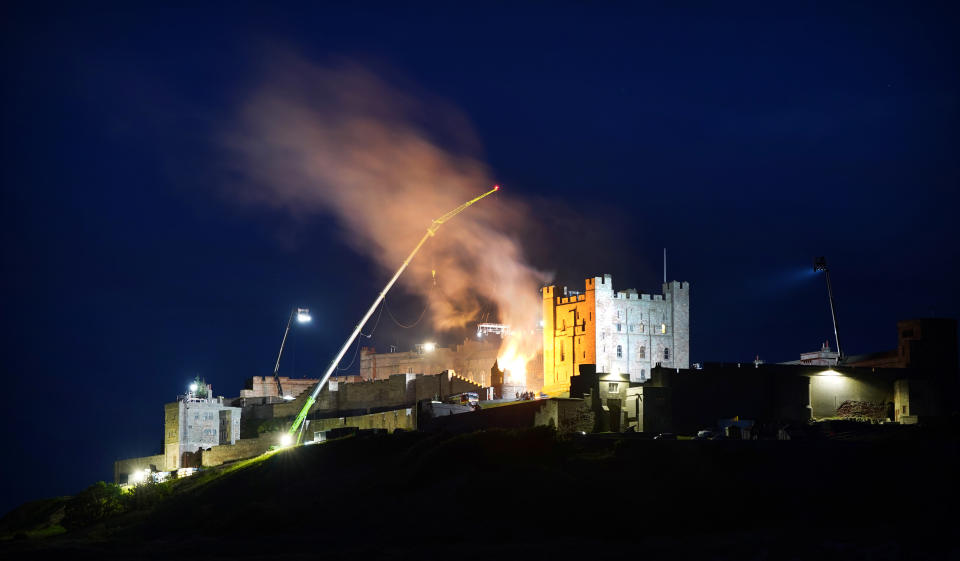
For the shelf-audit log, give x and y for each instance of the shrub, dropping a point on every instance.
(96, 502)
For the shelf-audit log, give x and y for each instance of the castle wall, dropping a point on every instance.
(266, 386)
(171, 436)
(396, 392)
(240, 450)
(123, 468)
(472, 360)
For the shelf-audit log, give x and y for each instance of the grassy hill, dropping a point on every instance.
(518, 492)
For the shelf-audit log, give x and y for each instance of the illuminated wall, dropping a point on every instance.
(837, 395)
(569, 336)
(472, 359)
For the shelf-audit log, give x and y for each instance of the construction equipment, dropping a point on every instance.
(820, 264)
(434, 226)
(303, 316)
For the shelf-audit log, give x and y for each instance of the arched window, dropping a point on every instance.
(643, 351)
(619, 351)
(666, 353)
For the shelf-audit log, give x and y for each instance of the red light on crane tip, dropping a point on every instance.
(496, 187)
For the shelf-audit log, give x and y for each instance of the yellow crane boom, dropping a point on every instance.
(434, 226)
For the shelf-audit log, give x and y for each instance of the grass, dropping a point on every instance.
(410, 493)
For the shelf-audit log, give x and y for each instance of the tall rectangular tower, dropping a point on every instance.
(568, 342)
(620, 332)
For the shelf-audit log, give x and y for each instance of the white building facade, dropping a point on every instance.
(635, 332)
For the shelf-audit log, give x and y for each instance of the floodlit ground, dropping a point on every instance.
(529, 492)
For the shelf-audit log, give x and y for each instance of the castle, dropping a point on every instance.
(620, 332)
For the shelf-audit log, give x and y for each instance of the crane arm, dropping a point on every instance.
(434, 226)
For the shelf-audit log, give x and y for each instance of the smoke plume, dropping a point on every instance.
(341, 141)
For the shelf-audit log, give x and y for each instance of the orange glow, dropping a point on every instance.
(517, 350)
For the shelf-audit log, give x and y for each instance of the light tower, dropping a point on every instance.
(820, 264)
(303, 316)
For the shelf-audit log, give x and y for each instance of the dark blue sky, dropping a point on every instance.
(745, 139)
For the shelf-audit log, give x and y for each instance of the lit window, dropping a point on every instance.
(619, 351)
(666, 353)
(643, 351)
(663, 328)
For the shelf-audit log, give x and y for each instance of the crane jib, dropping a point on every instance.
(431, 230)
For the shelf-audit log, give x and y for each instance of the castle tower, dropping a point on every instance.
(678, 293)
(620, 332)
(568, 341)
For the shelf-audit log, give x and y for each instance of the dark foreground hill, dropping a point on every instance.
(529, 493)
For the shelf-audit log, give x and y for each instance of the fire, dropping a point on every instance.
(516, 352)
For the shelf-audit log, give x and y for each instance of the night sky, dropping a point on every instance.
(747, 142)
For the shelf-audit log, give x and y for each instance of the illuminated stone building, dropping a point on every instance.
(472, 359)
(620, 332)
(197, 420)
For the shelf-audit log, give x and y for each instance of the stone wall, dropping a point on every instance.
(388, 420)
(243, 449)
(567, 415)
(171, 436)
(471, 359)
(397, 392)
(266, 386)
(249, 447)
(828, 394)
(123, 468)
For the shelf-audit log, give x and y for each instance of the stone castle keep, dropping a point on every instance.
(620, 332)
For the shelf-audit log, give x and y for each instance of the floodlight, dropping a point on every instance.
(286, 439)
(429, 347)
(303, 315)
(193, 387)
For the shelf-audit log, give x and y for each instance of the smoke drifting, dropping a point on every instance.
(321, 140)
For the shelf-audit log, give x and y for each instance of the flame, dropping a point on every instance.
(517, 350)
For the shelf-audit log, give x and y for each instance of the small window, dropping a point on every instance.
(563, 352)
(663, 328)
(643, 351)
(619, 351)
(613, 387)
(618, 314)
(643, 373)
(666, 353)
(618, 327)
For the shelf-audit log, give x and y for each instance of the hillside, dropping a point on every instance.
(497, 491)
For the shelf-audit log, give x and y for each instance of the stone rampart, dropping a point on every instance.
(123, 468)
(243, 449)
